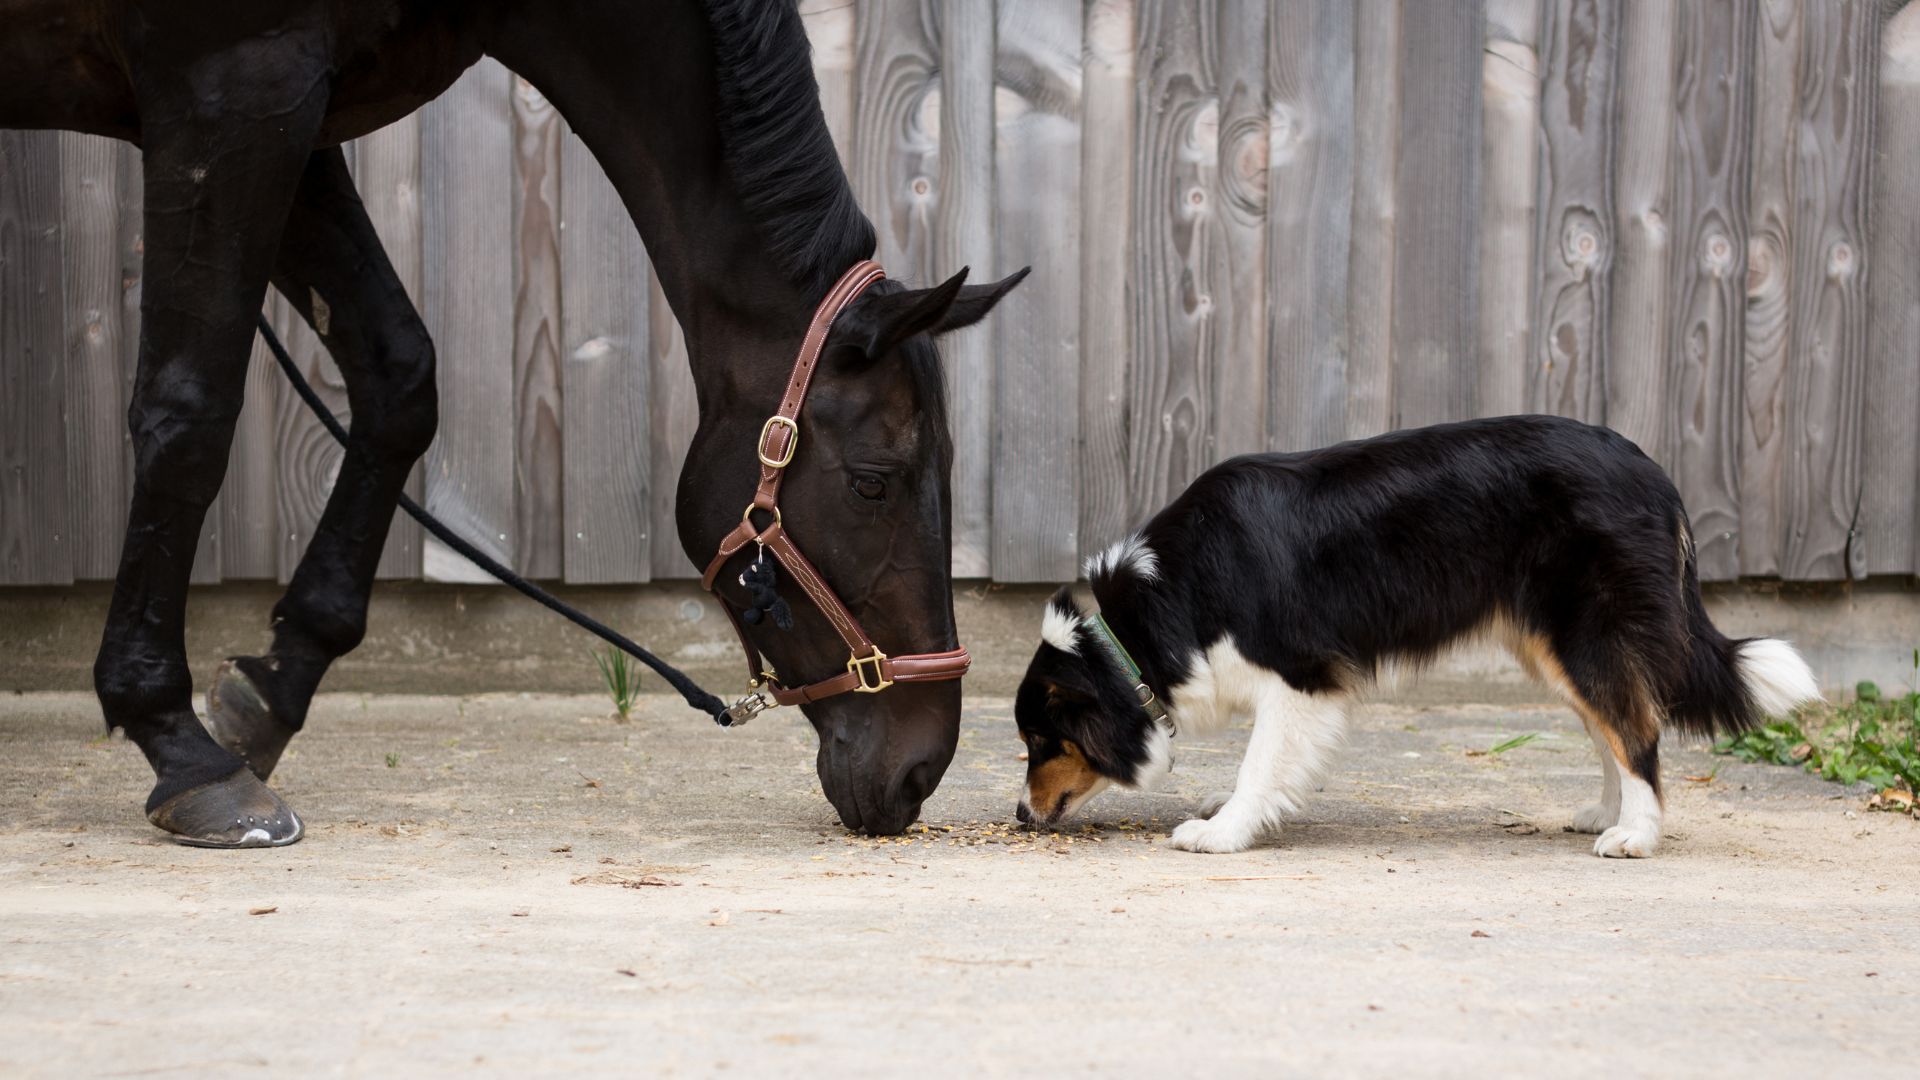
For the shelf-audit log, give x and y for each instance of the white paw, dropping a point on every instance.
(1597, 818)
(1211, 805)
(1212, 835)
(1628, 841)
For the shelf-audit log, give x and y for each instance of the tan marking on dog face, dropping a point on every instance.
(1060, 784)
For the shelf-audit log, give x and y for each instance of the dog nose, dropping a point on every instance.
(1025, 815)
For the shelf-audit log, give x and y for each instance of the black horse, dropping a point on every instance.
(706, 117)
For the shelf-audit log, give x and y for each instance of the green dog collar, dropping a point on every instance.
(1156, 710)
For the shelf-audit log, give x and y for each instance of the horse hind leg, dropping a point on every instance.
(218, 183)
(333, 269)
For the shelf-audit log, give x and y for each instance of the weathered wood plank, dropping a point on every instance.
(1235, 42)
(306, 458)
(537, 472)
(1037, 186)
(1776, 55)
(1637, 331)
(1827, 361)
(386, 169)
(830, 30)
(467, 181)
(897, 132)
(1106, 263)
(1575, 243)
(250, 504)
(1890, 466)
(1310, 185)
(1711, 96)
(35, 529)
(604, 379)
(924, 173)
(1377, 80)
(1176, 196)
(98, 470)
(672, 418)
(963, 236)
(1435, 276)
(1509, 166)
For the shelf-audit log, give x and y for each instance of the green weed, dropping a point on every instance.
(1873, 739)
(1514, 743)
(622, 679)
(393, 761)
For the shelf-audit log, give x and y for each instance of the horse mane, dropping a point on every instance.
(776, 144)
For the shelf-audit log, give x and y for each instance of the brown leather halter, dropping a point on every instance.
(869, 670)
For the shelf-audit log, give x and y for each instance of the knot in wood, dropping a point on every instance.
(1716, 254)
(1840, 260)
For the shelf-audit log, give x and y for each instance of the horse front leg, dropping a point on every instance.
(333, 269)
(222, 162)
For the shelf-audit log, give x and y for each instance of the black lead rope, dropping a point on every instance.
(678, 679)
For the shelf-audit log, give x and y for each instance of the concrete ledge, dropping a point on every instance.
(427, 638)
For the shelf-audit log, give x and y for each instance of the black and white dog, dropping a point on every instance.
(1277, 585)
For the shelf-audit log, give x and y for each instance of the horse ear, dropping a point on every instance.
(974, 301)
(880, 322)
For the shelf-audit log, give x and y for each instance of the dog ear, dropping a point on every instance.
(1063, 602)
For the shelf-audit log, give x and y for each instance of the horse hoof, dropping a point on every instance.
(238, 812)
(240, 720)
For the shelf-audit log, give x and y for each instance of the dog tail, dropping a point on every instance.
(1730, 685)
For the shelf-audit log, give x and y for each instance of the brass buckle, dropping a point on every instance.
(859, 665)
(793, 441)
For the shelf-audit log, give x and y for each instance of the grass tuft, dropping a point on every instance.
(622, 679)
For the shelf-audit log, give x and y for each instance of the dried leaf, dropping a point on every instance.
(262, 910)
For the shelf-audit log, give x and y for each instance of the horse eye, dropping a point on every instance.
(869, 486)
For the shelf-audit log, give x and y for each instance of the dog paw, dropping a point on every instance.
(1211, 835)
(1628, 841)
(1596, 819)
(1211, 805)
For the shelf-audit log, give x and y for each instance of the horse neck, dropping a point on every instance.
(640, 92)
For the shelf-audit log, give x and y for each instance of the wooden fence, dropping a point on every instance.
(1255, 224)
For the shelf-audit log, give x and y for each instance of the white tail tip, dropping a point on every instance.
(1774, 675)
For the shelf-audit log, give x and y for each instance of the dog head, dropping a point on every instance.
(1081, 720)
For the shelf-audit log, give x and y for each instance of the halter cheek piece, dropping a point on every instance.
(869, 670)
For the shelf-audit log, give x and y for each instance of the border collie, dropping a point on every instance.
(1277, 585)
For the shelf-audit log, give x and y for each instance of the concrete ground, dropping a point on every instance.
(504, 884)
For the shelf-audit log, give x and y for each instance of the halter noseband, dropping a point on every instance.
(869, 670)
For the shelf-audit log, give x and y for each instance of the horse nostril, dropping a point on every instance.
(1025, 815)
(918, 783)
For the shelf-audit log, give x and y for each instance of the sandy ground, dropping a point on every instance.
(505, 884)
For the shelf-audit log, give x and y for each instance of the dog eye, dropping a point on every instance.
(869, 486)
